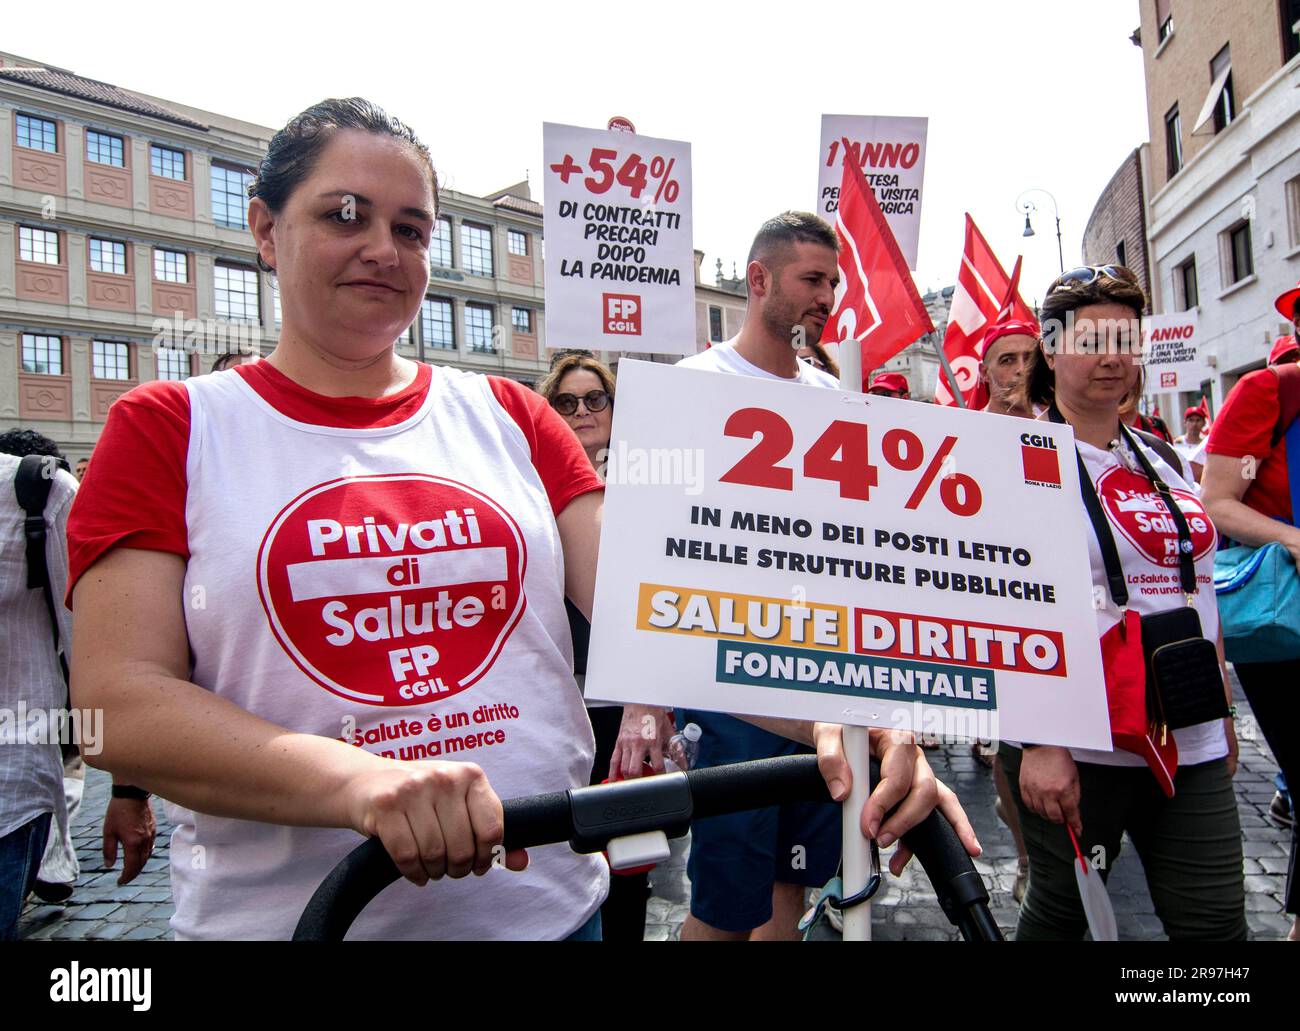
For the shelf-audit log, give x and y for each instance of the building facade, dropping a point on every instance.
(1223, 211)
(125, 255)
(1116, 232)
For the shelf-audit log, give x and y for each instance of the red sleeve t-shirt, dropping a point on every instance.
(133, 494)
(1245, 427)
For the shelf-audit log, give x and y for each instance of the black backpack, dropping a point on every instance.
(32, 485)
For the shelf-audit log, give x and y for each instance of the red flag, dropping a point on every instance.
(984, 294)
(1008, 306)
(876, 302)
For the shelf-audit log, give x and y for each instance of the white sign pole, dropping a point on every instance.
(857, 749)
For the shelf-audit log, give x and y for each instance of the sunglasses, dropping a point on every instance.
(567, 404)
(1088, 274)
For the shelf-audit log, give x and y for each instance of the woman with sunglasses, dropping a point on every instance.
(1150, 545)
(321, 595)
(581, 389)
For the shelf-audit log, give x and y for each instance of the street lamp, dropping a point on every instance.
(1027, 208)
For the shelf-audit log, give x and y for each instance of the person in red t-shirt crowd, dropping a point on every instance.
(891, 384)
(256, 575)
(1248, 492)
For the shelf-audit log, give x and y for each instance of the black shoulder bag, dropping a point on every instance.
(1184, 684)
(32, 486)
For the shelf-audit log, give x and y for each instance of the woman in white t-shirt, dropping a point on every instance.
(1171, 792)
(309, 588)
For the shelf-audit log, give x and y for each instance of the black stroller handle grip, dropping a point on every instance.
(546, 819)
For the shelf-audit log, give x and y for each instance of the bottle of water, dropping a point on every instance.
(683, 749)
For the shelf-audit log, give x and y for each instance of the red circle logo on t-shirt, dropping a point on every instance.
(1135, 506)
(395, 589)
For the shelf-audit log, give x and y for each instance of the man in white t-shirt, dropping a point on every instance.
(790, 279)
(746, 878)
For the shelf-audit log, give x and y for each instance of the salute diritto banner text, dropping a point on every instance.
(867, 561)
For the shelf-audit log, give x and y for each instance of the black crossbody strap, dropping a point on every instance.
(1105, 538)
(1186, 566)
(1100, 526)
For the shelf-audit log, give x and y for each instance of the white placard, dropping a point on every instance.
(1171, 353)
(780, 550)
(620, 261)
(891, 153)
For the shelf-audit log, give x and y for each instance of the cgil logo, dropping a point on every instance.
(109, 984)
(622, 313)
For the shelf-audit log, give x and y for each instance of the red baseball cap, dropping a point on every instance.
(1282, 346)
(1285, 304)
(894, 382)
(1197, 410)
(995, 332)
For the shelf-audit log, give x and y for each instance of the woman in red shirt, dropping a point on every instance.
(1248, 492)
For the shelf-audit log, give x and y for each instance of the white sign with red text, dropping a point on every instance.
(778, 550)
(1171, 353)
(620, 259)
(891, 153)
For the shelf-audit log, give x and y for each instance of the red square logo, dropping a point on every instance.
(1041, 465)
(621, 313)
(1169, 379)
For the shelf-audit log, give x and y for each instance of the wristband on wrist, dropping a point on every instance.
(130, 791)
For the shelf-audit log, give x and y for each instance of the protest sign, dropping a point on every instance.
(891, 153)
(1170, 353)
(778, 550)
(620, 262)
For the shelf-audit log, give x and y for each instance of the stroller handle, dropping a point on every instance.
(582, 816)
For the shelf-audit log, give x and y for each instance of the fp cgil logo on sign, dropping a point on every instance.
(622, 313)
(393, 589)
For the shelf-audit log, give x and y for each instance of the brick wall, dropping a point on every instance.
(1180, 73)
(1118, 217)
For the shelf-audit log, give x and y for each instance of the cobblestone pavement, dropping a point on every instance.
(905, 910)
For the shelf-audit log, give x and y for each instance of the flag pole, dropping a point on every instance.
(952, 379)
(857, 746)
